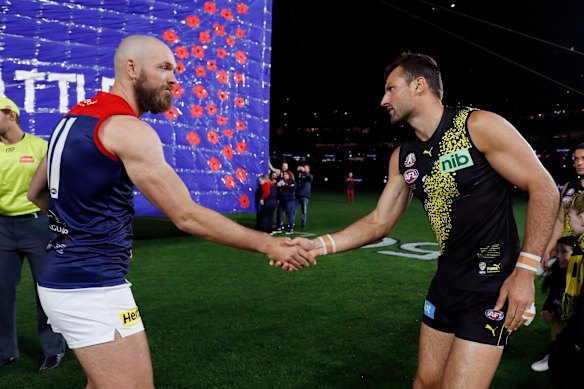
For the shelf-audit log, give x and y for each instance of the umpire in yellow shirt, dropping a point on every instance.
(24, 232)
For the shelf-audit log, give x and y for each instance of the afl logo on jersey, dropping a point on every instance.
(410, 160)
(411, 175)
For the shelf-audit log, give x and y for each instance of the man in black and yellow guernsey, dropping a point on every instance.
(462, 166)
(24, 232)
(570, 191)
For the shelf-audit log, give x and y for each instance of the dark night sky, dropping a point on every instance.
(327, 55)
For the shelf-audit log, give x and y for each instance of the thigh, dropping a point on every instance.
(433, 350)
(471, 365)
(123, 363)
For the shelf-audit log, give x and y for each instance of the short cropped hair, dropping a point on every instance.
(417, 65)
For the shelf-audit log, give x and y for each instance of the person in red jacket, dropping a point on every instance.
(267, 204)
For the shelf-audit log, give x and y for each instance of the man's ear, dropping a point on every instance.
(419, 85)
(132, 69)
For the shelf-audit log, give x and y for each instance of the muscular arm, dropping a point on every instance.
(377, 224)
(140, 149)
(513, 158)
(38, 190)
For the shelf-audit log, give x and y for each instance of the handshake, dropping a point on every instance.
(295, 254)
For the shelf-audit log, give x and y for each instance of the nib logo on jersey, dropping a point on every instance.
(456, 160)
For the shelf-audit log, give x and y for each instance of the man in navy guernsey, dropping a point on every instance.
(97, 153)
(462, 166)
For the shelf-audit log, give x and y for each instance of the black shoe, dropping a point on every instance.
(8, 361)
(51, 362)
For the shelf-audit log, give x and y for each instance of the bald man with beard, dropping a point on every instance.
(97, 153)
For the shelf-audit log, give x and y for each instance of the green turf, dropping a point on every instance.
(218, 317)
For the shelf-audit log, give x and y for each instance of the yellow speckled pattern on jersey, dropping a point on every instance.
(441, 187)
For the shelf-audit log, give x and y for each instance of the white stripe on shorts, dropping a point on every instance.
(90, 316)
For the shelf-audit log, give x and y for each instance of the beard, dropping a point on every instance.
(150, 99)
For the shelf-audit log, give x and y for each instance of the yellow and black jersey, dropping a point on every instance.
(469, 205)
(573, 188)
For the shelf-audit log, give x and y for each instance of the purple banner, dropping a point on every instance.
(216, 136)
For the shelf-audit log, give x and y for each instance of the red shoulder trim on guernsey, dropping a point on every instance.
(103, 106)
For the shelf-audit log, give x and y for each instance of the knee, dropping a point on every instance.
(421, 382)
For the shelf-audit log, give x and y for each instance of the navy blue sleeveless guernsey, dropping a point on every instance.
(469, 205)
(91, 201)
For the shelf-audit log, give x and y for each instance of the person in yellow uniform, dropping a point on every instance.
(24, 232)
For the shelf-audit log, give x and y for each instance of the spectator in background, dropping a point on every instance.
(268, 202)
(24, 232)
(554, 284)
(281, 206)
(569, 191)
(303, 189)
(567, 352)
(350, 186)
(287, 200)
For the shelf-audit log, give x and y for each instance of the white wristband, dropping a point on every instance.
(528, 261)
(323, 245)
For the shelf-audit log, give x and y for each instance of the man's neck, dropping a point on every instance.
(427, 120)
(14, 135)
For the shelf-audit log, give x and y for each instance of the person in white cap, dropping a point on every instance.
(24, 233)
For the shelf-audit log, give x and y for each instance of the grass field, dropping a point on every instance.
(218, 317)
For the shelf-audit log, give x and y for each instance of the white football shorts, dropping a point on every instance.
(91, 316)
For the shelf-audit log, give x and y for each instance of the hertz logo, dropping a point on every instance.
(130, 317)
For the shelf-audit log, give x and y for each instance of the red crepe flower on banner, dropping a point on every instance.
(218, 29)
(197, 111)
(198, 51)
(210, 7)
(241, 174)
(240, 102)
(241, 8)
(223, 79)
(240, 57)
(212, 137)
(241, 147)
(211, 109)
(240, 33)
(230, 40)
(229, 182)
(221, 53)
(204, 37)
(193, 21)
(239, 125)
(180, 67)
(239, 78)
(221, 120)
(170, 36)
(228, 152)
(212, 65)
(181, 52)
(244, 201)
(200, 71)
(227, 15)
(222, 95)
(193, 138)
(171, 114)
(228, 133)
(214, 164)
(200, 91)
(177, 91)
